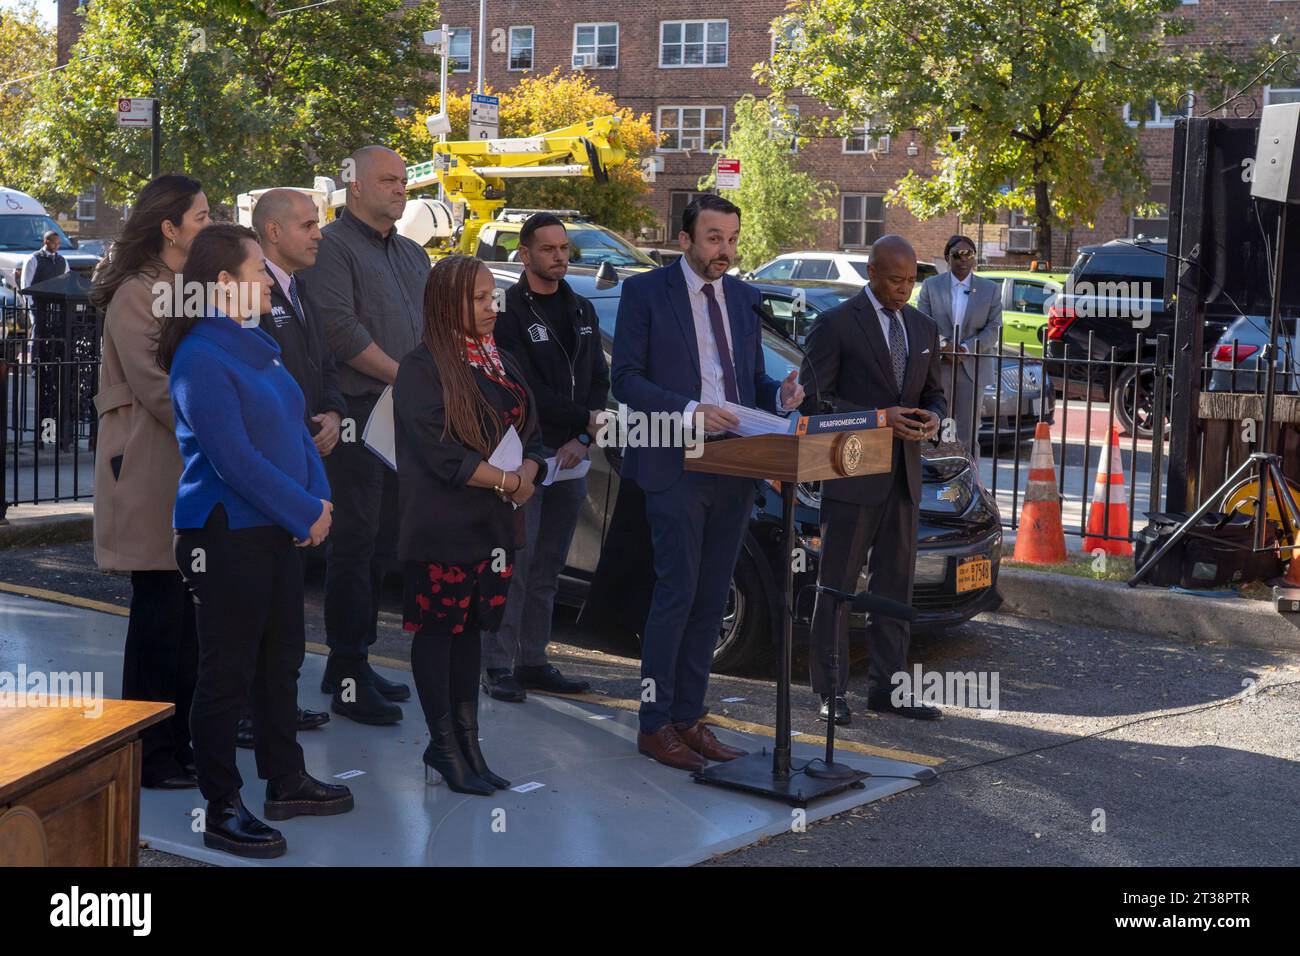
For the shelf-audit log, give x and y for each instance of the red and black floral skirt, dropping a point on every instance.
(454, 598)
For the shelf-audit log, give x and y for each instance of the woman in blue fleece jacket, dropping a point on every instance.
(252, 487)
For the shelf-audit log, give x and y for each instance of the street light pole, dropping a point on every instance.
(482, 31)
(155, 159)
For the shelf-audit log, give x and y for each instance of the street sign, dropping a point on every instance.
(135, 112)
(484, 111)
(728, 174)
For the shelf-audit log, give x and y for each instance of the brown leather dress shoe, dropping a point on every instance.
(665, 745)
(701, 739)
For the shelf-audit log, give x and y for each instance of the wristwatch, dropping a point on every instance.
(585, 439)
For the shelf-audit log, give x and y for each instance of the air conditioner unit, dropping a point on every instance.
(1022, 239)
(584, 61)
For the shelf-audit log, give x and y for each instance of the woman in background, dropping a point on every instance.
(456, 396)
(137, 465)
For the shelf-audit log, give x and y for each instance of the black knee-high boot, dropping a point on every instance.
(465, 654)
(430, 666)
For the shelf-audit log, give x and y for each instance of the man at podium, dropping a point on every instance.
(688, 339)
(874, 351)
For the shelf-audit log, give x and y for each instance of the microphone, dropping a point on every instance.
(865, 601)
(822, 404)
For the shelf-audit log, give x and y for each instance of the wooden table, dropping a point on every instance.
(70, 784)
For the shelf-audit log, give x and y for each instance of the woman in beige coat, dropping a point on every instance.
(138, 465)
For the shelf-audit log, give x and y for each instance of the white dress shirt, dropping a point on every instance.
(281, 277)
(713, 388)
(883, 316)
(960, 299)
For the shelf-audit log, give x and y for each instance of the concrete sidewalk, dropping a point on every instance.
(32, 525)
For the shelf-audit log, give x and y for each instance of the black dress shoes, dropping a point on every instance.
(338, 668)
(548, 677)
(185, 780)
(500, 684)
(301, 794)
(883, 702)
(230, 827)
(843, 716)
(364, 704)
(307, 720)
(391, 689)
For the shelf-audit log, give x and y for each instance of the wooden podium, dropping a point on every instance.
(789, 459)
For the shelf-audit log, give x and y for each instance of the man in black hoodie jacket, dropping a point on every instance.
(554, 334)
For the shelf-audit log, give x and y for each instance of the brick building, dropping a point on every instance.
(686, 68)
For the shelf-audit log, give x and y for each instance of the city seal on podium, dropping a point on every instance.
(849, 455)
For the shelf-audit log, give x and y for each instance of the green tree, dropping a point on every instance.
(546, 102)
(1037, 87)
(780, 207)
(251, 98)
(27, 51)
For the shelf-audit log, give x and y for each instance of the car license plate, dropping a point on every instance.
(973, 573)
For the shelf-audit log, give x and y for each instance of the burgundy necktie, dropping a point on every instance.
(720, 340)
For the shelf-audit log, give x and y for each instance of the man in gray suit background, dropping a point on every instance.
(967, 308)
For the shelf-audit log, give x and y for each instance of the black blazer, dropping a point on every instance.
(442, 518)
(846, 348)
(305, 355)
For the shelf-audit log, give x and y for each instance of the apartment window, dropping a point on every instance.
(521, 48)
(691, 127)
(692, 43)
(1159, 113)
(786, 126)
(1281, 94)
(460, 48)
(862, 219)
(1156, 226)
(86, 205)
(865, 140)
(600, 40)
(788, 37)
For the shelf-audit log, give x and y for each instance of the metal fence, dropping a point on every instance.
(47, 388)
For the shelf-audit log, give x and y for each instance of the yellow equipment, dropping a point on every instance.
(473, 172)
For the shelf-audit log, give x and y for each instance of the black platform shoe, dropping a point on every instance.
(230, 827)
(464, 720)
(444, 756)
(301, 794)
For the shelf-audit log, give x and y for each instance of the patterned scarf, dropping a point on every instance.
(482, 354)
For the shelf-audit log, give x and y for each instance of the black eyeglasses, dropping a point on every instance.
(961, 254)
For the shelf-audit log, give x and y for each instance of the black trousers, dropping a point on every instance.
(159, 663)
(363, 538)
(55, 398)
(883, 537)
(247, 587)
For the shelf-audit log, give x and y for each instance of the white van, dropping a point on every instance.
(23, 224)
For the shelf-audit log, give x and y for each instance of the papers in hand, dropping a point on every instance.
(380, 434)
(509, 455)
(756, 422)
(555, 473)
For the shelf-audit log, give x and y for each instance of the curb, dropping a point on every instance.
(51, 529)
(1066, 599)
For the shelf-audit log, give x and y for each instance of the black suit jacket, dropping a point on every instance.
(305, 355)
(847, 351)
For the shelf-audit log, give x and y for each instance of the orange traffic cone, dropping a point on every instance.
(1040, 538)
(1110, 520)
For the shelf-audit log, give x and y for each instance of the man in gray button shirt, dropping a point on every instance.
(367, 286)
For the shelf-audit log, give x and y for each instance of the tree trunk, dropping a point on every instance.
(1043, 219)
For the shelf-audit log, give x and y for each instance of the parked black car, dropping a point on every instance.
(1115, 297)
(959, 524)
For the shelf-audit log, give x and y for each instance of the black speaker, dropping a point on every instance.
(1276, 175)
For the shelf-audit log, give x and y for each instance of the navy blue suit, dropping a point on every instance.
(697, 521)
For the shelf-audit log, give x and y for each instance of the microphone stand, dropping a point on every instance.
(830, 770)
